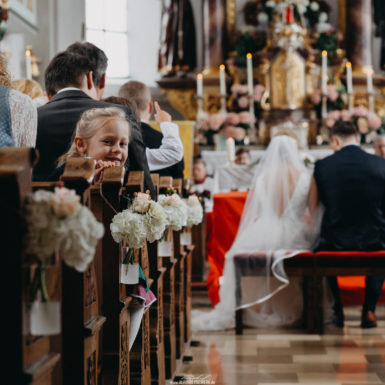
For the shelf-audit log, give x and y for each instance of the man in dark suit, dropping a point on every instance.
(69, 83)
(351, 186)
(140, 94)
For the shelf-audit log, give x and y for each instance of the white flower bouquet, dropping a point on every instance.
(143, 220)
(176, 210)
(56, 221)
(194, 211)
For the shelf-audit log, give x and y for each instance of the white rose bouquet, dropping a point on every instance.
(176, 210)
(56, 221)
(194, 211)
(143, 220)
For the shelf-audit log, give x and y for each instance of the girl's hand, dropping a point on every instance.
(101, 165)
(160, 115)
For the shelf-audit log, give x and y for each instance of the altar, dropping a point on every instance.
(224, 224)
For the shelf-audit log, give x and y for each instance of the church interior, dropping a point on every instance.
(121, 277)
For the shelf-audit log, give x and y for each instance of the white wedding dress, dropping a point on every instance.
(276, 224)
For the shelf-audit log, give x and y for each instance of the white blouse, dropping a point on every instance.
(23, 119)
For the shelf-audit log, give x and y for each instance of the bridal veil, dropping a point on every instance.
(276, 224)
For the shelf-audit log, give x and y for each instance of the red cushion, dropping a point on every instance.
(350, 258)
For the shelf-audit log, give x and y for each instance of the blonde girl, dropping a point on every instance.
(102, 134)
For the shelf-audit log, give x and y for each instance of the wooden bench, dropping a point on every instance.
(313, 267)
(29, 359)
(165, 183)
(157, 271)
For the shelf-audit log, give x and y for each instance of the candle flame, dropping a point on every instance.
(368, 70)
(324, 53)
(348, 64)
(222, 67)
(249, 56)
(199, 76)
(27, 52)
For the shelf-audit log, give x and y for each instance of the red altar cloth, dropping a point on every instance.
(224, 223)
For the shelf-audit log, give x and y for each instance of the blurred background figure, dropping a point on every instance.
(242, 156)
(379, 146)
(32, 89)
(203, 184)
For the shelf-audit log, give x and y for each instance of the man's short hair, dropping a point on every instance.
(136, 91)
(343, 129)
(95, 55)
(242, 150)
(65, 69)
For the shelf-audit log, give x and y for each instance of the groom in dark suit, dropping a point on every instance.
(69, 81)
(351, 186)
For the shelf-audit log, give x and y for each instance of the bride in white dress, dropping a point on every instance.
(280, 219)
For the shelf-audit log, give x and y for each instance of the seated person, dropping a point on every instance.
(31, 88)
(379, 146)
(101, 133)
(203, 185)
(18, 118)
(242, 156)
(169, 162)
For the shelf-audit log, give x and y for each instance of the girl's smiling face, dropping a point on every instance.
(109, 143)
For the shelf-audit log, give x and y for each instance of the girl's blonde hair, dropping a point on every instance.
(89, 123)
(28, 87)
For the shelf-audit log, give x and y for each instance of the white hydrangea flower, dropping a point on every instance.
(129, 227)
(270, 4)
(156, 220)
(314, 6)
(80, 235)
(176, 214)
(57, 222)
(194, 211)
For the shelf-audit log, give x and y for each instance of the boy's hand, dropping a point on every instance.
(160, 115)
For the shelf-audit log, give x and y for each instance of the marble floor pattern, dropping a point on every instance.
(286, 356)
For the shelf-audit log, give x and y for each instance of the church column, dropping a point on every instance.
(359, 21)
(213, 35)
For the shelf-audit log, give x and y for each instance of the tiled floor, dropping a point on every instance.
(341, 356)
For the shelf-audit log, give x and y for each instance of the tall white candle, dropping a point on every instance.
(324, 72)
(369, 81)
(250, 81)
(349, 80)
(199, 85)
(28, 64)
(230, 148)
(222, 80)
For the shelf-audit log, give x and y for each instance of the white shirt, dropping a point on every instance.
(170, 150)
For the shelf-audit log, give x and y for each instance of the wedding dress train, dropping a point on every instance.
(277, 224)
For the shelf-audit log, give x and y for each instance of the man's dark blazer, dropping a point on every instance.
(153, 139)
(56, 125)
(351, 185)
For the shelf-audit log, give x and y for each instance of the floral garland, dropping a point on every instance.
(194, 211)
(56, 221)
(176, 210)
(143, 220)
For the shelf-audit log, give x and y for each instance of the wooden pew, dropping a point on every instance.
(140, 372)
(157, 271)
(81, 313)
(169, 297)
(28, 359)
(105, 202)
(180, 270)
